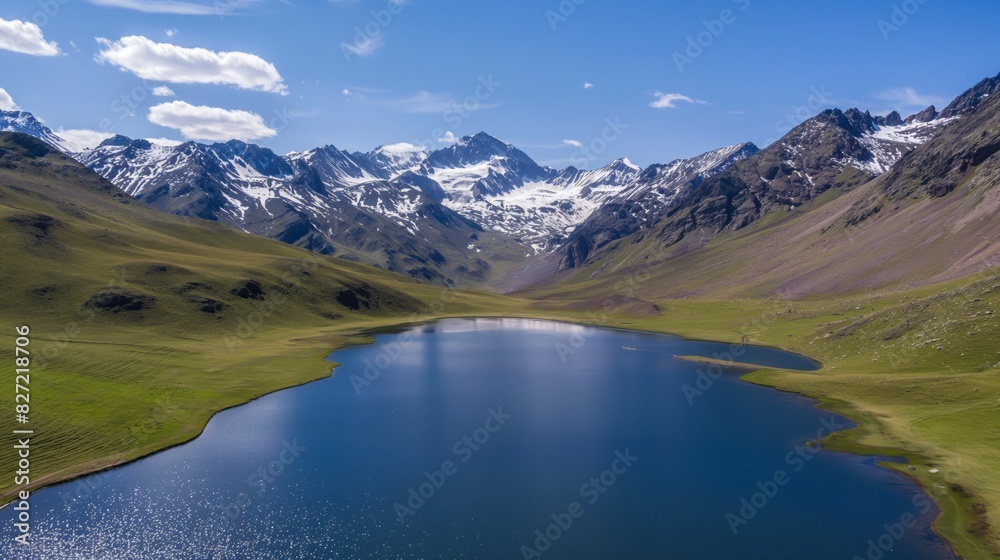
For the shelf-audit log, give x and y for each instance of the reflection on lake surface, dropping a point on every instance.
(501, 439)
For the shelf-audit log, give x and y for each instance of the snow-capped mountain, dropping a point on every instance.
(324, 199)
(499, 187)
(451, 215)
(395, 159)
(835, 149)
(646, 198)
(888, 139)
(26, 123)
(481, 178)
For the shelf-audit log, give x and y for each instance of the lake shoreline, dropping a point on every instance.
(359, 335)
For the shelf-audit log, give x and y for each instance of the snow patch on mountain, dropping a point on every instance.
(888, 144)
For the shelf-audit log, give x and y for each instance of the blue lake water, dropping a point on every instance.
(499, 439)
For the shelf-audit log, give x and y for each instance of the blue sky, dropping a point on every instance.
(550, 76)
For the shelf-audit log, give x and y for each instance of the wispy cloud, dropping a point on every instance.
(197, 122)
(669, 100)
(365, 46)
(166, 62)
(430, 102)
(449, 138)
(573, 143)
(25, 37)
(908, 97)
(179, 7)
(588, 85)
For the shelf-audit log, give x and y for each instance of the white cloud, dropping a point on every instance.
(163, 91)
(430, 102)
(168, 142)
(574, 143)
(402, 148)
(908, 97)
(669, 100)
(588, 85)
(178, 7)
(365, 47)
(181, 65)
(25, 37)
(170, 31)
(197, 122)
(425, 102)
(81, 139)
(449, 138)
(6, 101)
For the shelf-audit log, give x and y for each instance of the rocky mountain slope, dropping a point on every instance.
(834, 150)
(470, 213)
(931, 218)
(455, 216)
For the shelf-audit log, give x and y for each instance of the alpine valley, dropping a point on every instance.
(203, 276)
(470, 214)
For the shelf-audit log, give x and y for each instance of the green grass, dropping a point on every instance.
(109, 387)
(938, 407)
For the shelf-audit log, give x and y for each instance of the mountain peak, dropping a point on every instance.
(486, 141)
(927, 115)
(628, 163)
(853, 120)
(970, 99)
(861, 122)
(477, 149)
(26, 123)
(892, 119)
(116, 140)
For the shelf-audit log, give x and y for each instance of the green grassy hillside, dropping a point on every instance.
(144, 324)
(892, 284)
(919, 371)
